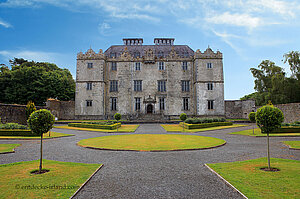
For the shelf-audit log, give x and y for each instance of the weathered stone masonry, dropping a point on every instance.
(160, 80)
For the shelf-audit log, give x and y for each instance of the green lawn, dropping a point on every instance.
(17, 182)
(177, 128)
(45, 136)
(123, 128)
(151, 142)
(5, 148)
(257, 133)
(293, 144)
(247, 177)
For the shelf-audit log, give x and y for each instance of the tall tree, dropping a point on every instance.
(35, 81)
(293, 58)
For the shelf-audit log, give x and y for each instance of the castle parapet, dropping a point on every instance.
(90, 54)
(208, 54)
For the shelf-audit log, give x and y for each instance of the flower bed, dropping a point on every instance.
(96, 126)
(205, 125)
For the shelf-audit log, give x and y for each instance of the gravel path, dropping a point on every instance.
(128, 174)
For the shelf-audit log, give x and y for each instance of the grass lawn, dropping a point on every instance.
(247, 177)
(293, 144)
(5, 148)
(17, 182)
(177, 128)
(151, 142)
(123, 128)
(45, 136)
(257, 133)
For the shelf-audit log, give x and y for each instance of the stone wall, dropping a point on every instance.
(14, 113)
(237, 109)
(290, 111)
(62, 110)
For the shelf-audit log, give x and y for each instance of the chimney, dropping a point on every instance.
(164, 41)
(133, 41)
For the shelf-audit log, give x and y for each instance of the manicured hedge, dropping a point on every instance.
(205, 125)
(16, 132)
(287, 130)
(203, 120)
(95, 126)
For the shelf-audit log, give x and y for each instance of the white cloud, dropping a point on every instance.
(104, 28)
(236, 19)
(5, 24)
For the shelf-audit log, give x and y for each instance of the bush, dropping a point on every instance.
(12, 126)
(117, 116)
(182, 117)
(95, 126)
(290, 129)
(101, 123)
(16, 132)
(205, 125)
(252, 116)
(269, 118)
(41, 121)
(30, 108)
(203, 120)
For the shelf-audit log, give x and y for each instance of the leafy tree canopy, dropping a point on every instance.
(271, 82)
(35, 81)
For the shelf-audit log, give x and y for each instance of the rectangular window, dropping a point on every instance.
(209, 65)
(161, 103)
(113, 54)
(137, 85)
(161, 86)
(113, 65)
(185, 86)
(210, 104)
(89, 102)
(184, 65)
(185, 103)
(210, 86)
(161, 65)
(90, 65)
(89, 86)
(137, 104)
(113, 86)
(113, 103)
(137, 65)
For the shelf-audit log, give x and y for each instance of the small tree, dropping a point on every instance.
(252, 119)
(41, 122)
(117, 117)
(269, 118)
(183, 117)
(30, 108)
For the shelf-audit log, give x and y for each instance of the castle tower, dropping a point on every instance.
(89, 96)
(209, 83)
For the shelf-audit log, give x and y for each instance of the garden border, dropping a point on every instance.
(226, 182)
(35, 138)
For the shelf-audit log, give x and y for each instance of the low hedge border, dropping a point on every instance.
(95, 126)
(16, 132)
(293, 129)
(205, 125)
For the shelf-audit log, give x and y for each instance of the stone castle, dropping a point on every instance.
(161, 80)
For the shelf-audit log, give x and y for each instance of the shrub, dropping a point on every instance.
(252, 116)
(12, 126)
(205, 125)
(183, 117)
(117, 116)
(30, 108)
(203, 120)
(95, 126)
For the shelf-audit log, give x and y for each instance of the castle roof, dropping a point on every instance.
(158, 50)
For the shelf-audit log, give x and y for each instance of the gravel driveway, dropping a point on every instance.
(129, 174)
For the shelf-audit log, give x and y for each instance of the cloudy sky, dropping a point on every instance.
(245, 31)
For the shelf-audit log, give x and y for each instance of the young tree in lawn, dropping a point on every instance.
(269, 118)
(183, 117)
(30, 108)
(252, 119)
(117, 117)
(41, 122)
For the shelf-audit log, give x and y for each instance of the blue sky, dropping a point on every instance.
(245, 31)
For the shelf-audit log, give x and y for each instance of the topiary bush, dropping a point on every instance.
(269, 118)
(41, 122)
(117, 117)
(252, 116)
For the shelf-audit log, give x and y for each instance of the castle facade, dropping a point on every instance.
(161, 80)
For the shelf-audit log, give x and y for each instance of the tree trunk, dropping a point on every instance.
(253, 130)
(183, 126)
(269, 164)
(41, 157)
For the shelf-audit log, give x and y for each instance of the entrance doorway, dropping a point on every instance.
(149, 108)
